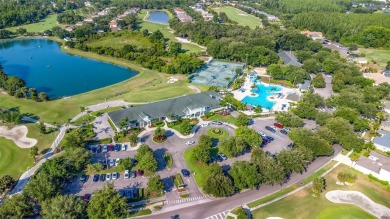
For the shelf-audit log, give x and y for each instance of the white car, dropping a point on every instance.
(205, 125)
(112, 163)
(124, 147)
(127, 174)
(108, 176)
(114, 175)
(105, 149)
(190, 142)
(117, 161)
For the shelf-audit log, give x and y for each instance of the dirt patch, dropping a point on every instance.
(360, 200)
(18, 135)
(300, 194)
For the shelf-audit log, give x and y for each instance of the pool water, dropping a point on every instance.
(263, 91)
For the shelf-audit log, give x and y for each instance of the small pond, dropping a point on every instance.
(158, 17)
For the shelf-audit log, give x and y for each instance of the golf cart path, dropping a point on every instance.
(360, 200)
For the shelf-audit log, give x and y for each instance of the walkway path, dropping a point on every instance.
(196, 89)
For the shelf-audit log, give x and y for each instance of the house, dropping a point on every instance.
(289, 58)
(114, 26)
(80, 23)
(69, 29)
(313, 35)
(303, 87)
(188, 106)
(382, 142)
(361, 61)
(67, 39)
(182, 15)
(376, 164)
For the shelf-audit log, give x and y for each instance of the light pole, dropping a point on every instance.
(106, 161)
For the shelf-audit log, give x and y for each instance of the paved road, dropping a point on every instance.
(205, 210)
(102, 128)
(327, 91)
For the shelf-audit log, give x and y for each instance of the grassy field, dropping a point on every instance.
(240, 17)
(199, 172)
(224, 134)
(229, 118)
(133, 38)
(381, 57)
(148, 86)
(45, 24)
(303, 205)
(44, 140)
(13, 160)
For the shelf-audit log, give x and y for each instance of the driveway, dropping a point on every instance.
(327, 91)
(102, 128)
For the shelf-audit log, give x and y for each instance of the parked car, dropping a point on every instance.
(262, 134)
(117, 161)
(213, 159)
(112, 163)
(270, 129)
(105, 149)
(124, 147)
(99, 149)
(110, 147)
(190, 142)
(86, 197)
(117, 147)
(223, 156)
(133, 174)
(135, 162)
(216, 122)
(269, 138)
(114, 175)
(83, 178)
(108, 176)
(103, 177)
(278, 125)
(96, 177)
(185, 172)
(283, 132)
(219, 158)
(127, 174)
(140, 172)
(205, 125)
(93, 149)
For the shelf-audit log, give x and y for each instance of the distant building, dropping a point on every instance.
(313, 35)
(114, 26)
(67, 39)
(303, 87)
(69, 29)
(188, 106)
(382, 142)
(80, 23)
(182, 15)
(289, 58)
(376, 164)
(361, 61)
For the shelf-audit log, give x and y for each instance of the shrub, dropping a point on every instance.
(383, 182)
(346, 177)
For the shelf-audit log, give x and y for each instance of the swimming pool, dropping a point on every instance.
(263, 91)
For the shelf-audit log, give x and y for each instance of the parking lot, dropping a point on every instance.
(280, 142)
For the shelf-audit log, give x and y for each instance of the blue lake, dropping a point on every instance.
(43, 65)
(158, 17)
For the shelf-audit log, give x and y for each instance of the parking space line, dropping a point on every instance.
(221, 215)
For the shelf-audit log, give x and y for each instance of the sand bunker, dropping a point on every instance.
(360, 200)
(172, 80)
(18, 134)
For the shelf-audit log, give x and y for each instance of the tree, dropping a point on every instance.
(21, 31)
(78, 158)
(126, 164)
(232, 146)
(245, 175)
(250, 136)
(174, 48)
(42, 127)
(185, 127)
(218, 186)
(155, 184)
(133, 138)
(43, 96)
(42, 187)
(102, 207)
(6, 182)
(242, 120)
(17, 206)
(295, 160)
(388, 66)
(34, 152)
(319, 185)
(311, 65)
(159, 132)
(242, 214)
(289, 119)
(82, 109)
(148, 163)
(318, 81)
(202, 150)
(258, 109)
(64, 206)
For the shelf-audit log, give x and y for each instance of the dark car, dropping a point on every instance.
(83, 178)
(96, 177)
(140, 172)
(110, 147)
(269, 138)
(270, 129)
(135, 162)
(185, 172)
(219, 158)
(86, 197)
(103, 177)
(99, 149)
(284, 132)
(133, 174)
(117, 147)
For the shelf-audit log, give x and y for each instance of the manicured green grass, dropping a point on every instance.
(140, 213)
(46, 24)
(13, 160)
(381, 57)
(133, 38)
(148, 85)
(84, 119)
(110, 109)
(200, 172)
(303, 205)
(292, 187)
(44, 140)
(242, 18)
(229, 118)
(185, 196)
(224, 134)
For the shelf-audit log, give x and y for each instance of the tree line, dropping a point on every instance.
(15, 86)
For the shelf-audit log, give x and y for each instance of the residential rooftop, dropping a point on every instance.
(289, 58)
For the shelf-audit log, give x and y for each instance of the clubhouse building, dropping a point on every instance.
(188, 106)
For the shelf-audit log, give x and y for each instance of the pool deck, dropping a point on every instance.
(278, 101)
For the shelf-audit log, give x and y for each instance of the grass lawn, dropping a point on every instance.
(107, 110)
(47, 23)
(140, 213)
(148, 86)
(224, 134)
(303, 205)
(380, 56)
(84, 119)
(117, 42)
(199, 172)
(229, 118)
(13, 160)
(44, 140)
(241, 17)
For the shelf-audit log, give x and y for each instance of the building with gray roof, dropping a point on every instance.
(382, 142)
(187, 106)
(289, 58)
(376, 164)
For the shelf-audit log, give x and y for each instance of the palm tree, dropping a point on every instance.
(43, 96)
(159, 132)
(133, 139)
(33, 93)
(23, 91)
(34, 152)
